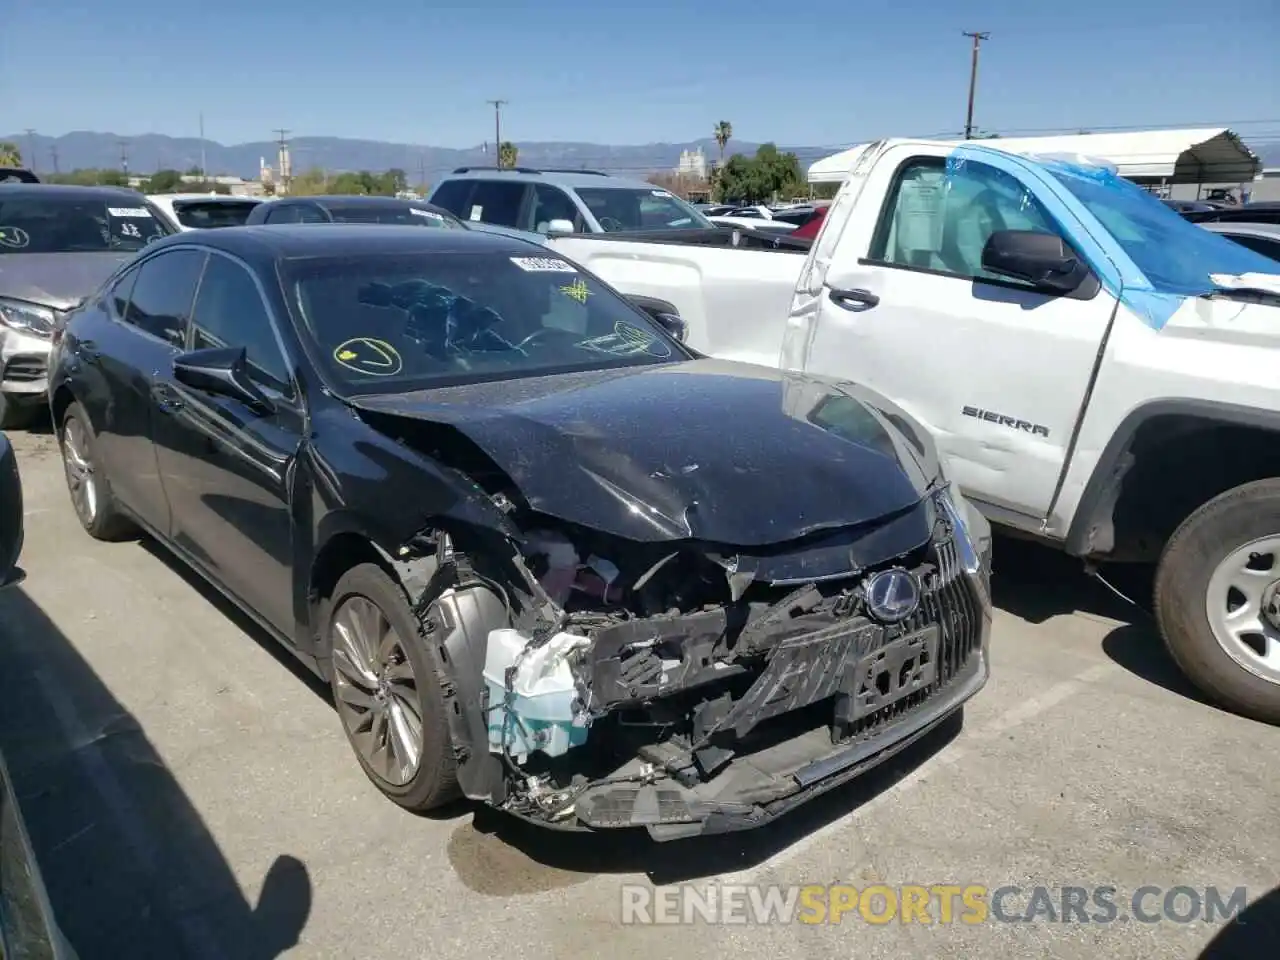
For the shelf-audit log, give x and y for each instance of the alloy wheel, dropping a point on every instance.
(376, 690)
(1243, 606)
(80, 472)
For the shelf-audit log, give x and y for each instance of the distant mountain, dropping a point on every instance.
(1269, 151)
(150, 152)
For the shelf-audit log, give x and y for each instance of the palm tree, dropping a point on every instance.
(10, 155)
(507, 154)
(723, 134)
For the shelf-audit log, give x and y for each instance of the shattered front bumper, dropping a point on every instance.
(831, 665)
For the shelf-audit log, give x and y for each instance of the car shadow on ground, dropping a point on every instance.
(1035, 583)
(1252, 934)
(130, 867)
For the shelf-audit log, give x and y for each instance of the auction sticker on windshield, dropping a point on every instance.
(542, 265)
(129, 212)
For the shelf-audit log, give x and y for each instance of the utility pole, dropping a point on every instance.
(124, 156)
(422, 175)
(283, 160)
(31, 149)
(53, 154)
(497, 130)
(978, 36)
(204, 173)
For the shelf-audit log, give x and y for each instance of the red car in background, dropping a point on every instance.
(812, 223)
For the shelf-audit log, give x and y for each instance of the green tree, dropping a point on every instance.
(508, 154)
(723, 134)
(766, 176)
(10, 155)
(164, 181)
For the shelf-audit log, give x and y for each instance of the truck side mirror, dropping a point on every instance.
(1041, 259)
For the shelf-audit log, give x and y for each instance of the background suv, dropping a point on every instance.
(563, 201)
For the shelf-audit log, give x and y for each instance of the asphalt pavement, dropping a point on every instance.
(190, 794)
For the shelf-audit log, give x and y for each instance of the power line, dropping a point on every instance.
(978, 36)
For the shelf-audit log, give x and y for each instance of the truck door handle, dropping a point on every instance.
(853, 299)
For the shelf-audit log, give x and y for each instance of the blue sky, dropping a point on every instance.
(816, 73)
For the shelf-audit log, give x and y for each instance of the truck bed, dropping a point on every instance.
(730, 287)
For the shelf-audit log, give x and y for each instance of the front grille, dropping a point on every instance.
(25, 369)
(950, 602)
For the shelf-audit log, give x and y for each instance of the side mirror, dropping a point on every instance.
(663, 314)
(10, 516)
(559, 227)
(221, 371)
(1041, 259)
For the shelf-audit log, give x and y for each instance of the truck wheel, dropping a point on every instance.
(1217, 598)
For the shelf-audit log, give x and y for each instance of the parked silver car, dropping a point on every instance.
(57, 244)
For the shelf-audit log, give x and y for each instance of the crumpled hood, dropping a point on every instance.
(719, 452)
(57, 280)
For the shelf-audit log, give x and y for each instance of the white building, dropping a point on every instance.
(692, 164)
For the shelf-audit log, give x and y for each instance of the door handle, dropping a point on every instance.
(853, 299)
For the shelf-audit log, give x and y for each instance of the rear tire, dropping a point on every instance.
(386, 684)
(17, 414)
(90, 489)
(1217, 599)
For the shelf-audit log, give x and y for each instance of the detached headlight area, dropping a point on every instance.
(26, 317)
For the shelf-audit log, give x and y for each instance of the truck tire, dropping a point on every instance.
(1217, 598)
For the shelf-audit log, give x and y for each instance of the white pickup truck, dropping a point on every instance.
(1100, 373)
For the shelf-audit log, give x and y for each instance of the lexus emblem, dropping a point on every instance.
(892, 595)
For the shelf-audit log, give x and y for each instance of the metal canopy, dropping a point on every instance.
(1206, 155)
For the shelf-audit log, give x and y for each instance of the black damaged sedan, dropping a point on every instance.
(547, 556)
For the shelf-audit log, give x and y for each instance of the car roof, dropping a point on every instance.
(230, 198)
(573, 179)
(68, 190)
(359, 199)
(292, 241)
(1250, 229)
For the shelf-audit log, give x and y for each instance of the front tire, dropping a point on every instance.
(1217, 599)
(90, 490)
(386, 688)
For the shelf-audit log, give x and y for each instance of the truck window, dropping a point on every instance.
(939, 219)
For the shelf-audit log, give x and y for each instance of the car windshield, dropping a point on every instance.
(405, 213)
(633, 208)
(391, 323)
(59, 223)
(209, 214)
(1176, 256)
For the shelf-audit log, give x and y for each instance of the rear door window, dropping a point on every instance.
(497, 202)
(453, 196)
(160, 304)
